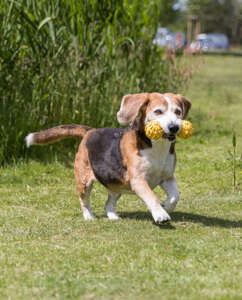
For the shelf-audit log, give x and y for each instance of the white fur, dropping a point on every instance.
(29, 139)
(168, 100)
(87, 214)
(158, 163)
(171, 189)
(160, 215)
(86, 208)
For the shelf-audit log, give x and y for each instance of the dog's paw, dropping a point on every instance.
(87, 215)
(160, 215)
(169, 206)
(112, 216)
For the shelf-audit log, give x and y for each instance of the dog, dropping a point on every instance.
(125, 160)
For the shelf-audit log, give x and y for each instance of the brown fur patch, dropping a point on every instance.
(83, 171)
(156, 99)
(131, 158)
(130, 107)
(180, 101)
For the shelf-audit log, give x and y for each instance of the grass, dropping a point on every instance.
(48, 252)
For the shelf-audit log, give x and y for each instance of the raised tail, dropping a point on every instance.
(55, 134)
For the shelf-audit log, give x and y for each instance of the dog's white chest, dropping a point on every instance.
(158, 163)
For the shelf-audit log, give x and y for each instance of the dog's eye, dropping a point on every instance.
(158, 111)
(178, 112)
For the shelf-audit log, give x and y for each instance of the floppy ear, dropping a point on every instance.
(130, 107)
(186, 105)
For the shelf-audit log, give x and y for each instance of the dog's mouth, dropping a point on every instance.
(169, 137)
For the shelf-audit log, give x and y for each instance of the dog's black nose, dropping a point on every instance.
(173, 128)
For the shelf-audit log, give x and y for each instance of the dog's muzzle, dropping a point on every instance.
(170, 137)
(173, 128)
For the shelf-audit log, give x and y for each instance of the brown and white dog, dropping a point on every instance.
(124, 160)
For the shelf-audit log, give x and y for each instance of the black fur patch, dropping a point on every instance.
(172, 148)
(143, 141)
(105, 156)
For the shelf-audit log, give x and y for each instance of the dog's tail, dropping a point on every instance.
(55, 134)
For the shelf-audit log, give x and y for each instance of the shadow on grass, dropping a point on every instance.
(185, 217)
(145, 216)
(207, 221)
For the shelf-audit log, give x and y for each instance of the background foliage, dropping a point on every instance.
(223, 16)
(71, 62)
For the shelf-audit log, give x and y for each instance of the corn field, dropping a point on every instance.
(70, 61)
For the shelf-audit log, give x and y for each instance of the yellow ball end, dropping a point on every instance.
(153, 130)
(186, 130)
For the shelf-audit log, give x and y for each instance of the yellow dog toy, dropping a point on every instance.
(154, 131)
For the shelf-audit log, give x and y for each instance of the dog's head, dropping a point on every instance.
(168, 109)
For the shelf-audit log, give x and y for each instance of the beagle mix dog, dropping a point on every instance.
(124, 160)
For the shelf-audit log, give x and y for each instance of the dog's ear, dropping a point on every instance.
(186, 105)
(130, 107)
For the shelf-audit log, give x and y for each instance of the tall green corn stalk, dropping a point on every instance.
(67, 61)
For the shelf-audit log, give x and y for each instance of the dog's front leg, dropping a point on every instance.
(171, 189)
(142, 189)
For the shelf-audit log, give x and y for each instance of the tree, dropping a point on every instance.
(223, 16)
(167, 12)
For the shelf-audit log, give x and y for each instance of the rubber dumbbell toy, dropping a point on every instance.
(154, 131)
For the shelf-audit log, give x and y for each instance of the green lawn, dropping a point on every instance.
(48, 252)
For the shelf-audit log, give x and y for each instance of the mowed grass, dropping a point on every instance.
(48, 252)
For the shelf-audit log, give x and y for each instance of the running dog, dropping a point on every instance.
(124, 160)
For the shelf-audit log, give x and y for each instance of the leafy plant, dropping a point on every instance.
(72, 61)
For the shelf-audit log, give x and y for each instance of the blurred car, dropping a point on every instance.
(210, 41)
(162, 36)
(166, 38)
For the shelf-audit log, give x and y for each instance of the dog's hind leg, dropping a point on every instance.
(84, 197)
(84, 181)
(111, 205)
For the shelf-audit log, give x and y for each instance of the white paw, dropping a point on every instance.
(160, 215)
(112, 216)
(87, 215)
